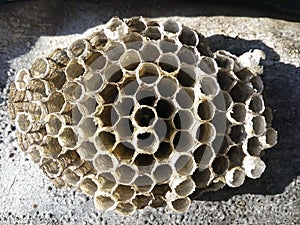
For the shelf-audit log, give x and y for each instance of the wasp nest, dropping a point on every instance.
(142, 113)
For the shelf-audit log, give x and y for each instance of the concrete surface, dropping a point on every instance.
(31, 29)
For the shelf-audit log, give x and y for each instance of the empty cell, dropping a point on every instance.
(87, 127)
(123, 193)
(146, 96)
(87, 105)
(271, 137)
(259, 124)
(235, 177)
(145, 116)
(37, 87)
(96, 61)
(76, 115)
(185, 98)
(205, 133)
(78, 47)
(129, 86)
(67, 138)
(69, 158)
(181, 204)
(164, 151)
(225, 79)
(136, 24)
(53, 124)
(108, 115)
(223, 101)
(209, 86)
(254, 166)
(110, 93)
(74, 69)
(204, 155)
(164, 108)
(58, 79)
(238, 112)
(241, 92)
(162, 173)
(244, 74)
(114, 51)
(98, 39)
(186, 187)
(70, 177)
(124, 128)
(40, 68)
(87, 150)
(171, 26)
(23, 122)
(104, 203)
(130, 60)
(183, 119)
(254, 147)
(168, 45)
(124, 151)
(59, 56)
(237, 134)
(220, 122)
(257, 84)
(125, 106)
(125, 208)
(35, 154)
(168, 62)
(125, 174)
(22, 78)
(113, 73)
(55, 102)
(105, 182)
(152, 33)
(88, 186)
(105, 140)
(220, 144)
(133, 41)
(163, 128)
(51, 147)
(257, 104)
(206, 110)
(183, 141)
(149, 52)
(144, 162)
(92, 81)
(103, 163)
(185, 165)
(146, 140)
(208, 65)
(187, 55)
(202, 177)
(72, 91)
(148, 73)
(141, 201)
(115, 28)
(186, 76)
(236, 154)
(188, 36)
(167, 86)
(220, 165)
(224, 60)
(143, 183)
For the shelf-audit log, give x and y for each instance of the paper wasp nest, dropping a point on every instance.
(142, 113)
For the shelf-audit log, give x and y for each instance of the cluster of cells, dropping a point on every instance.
(142, 113)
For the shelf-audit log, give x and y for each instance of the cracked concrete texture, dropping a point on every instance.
(32, 29)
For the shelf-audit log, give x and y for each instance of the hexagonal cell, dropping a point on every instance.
(136, 24)
(67, 138)
(185, 98)
(238, 112)
(37, 87)
(114, 51)
(188, 36)
(159, 192)
(148, 73)
(226, 79)
(146, 96)
(74, 69)
(183, 119)
(146, 141)
(164, 129)
(149, 52)
(257, 84)
(209, 86)
(40, 68)
(202, 177)
(23, 122)
(88, 186)
(143, 183)
(221, 144)
(92, 81)
(124, 151)
(205, 133)
(164, 151)
(87, 127)
(183, 141)
(115, 28)
(224, 60)
(241, 92)
(185, 188)
(237, 133)
(133, 41)
(206, 110)
(162, 173)
(254, 146)
(59, 56)
(108, 115)
(98, 39)
(96, 61)
(105, 182)
(254, 166)
(271, 137)
(168, 62)
(208, 65)
(72, 91)
(70, 177)
(223, 101)
(257, 104)
(204, 155)
(167, 45)
(87, 150)
(113, 73)
(236, 154)
(125, 106)
(141, 201)
(244, 74)
(55, 102)
(130, 60)
(171, 26)
(186, 76)
(235, 177)
(123, 192)
(268, 116)
(167, 86)
(145, 116)
(164, 108)
(181, 204)
(76, 115)
(259, 124)
(220, 165)
(152, 32)
(187, 55)
(21, 79)
(103, 163)
(87, 105)
(104, 203)
(78, 47)
(220, 122)
(185, 165)
(129, 86)
(144, 162)
(110, 93)
(125, 208)
(124, 128)
(58, 79)
(124, 174)
(105, 140)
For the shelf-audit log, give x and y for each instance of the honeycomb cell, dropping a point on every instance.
(60, 57)
(185, 165)
(133, 41)
(164, 129)
(79, 47)
(236, 154)
(152, 33)
(164, 108)
(271, 137)
(110, 93)
(23, 122)
(226, 79)
(124, 128)
(241, 92)
(22, 78)
(57, 79)
(168, 62)
(208, 65)
(205, 133)
(145, 116)
(186, 76)
(136, 24)
(238, 113)
(55, 102)
(206, 110)
(124, 174)
(37, 88)
(259, 124)
(146, 141)
(113, 73)
(254, 146)
(148, 73)
(220, 122)
(130, 60)
(67, 137)
(168, 45)
(124, 151)
(185, 188)
(53, 124)
(253, 166)
(104, 203)
(87, 150)
(87, 127)
(70, 177)
(141, 201)
(40, 68)
(129, 86)
(223, 101)
(103, 163)
(74, 69)
(88, 186)
(204, 155)
(257, 104)
(181, 204)
(202, 178)
(125, 208)
(105, 182)
(95, 61)
(162, 173)
(257, 84)
(183, 141)
(123, 193)
(237, 133)
(167, 86)
(183, 119)
(76, 115)
(235, 177)
(187, 55)
(209, 86)
(221, 144)
(149, 52)
(144, 183)
(188, 36)
(114, 51)
(108, 115)
(144, 160)
(125, 106)
(164, 151)
(220, 165)
(92, 82)
(185, 98)
(105, 140)
(171, 26)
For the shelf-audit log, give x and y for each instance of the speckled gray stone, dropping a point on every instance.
(31, 30)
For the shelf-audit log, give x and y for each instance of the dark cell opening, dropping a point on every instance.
(164, 108)
(144, 117)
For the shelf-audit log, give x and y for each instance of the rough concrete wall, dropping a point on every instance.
(31, 29)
